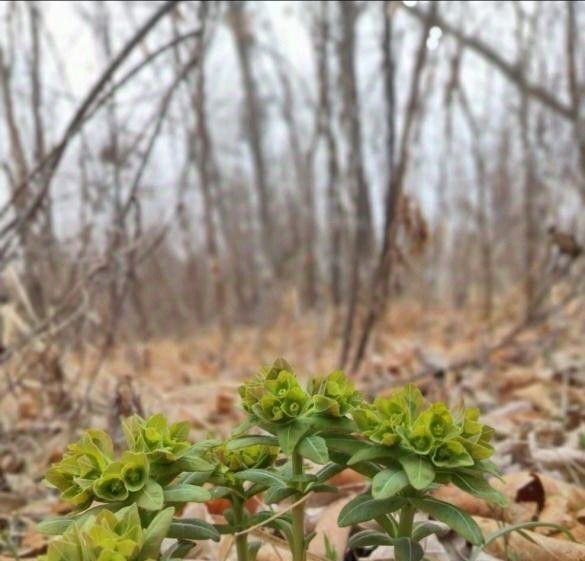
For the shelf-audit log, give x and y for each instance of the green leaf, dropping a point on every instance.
(193, 529)
(202, 446)
(364, 508)
(369, 538)
(186, 493)
(328, 471)
(406, 549)
(251, 440)
(314, 448)
(261, 476)
(424, 529)
(419, 470)
(155, 534)
(277, 494)
(478, 487)
(54, 526)
(151, 497)
(317, 487)
(376, 452)
(177, 551)
(290, 434)
(347, 445)
(332, 425)
(388, 483)
(192, 462)
(455, 518)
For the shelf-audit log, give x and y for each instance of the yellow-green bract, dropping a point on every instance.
(111, 536)
(447, 438)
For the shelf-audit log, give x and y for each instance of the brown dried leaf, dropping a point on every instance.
(517, 547)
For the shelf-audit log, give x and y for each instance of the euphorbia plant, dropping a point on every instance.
(109, 536)
(229, 462)
(140, 484)
(416, 446)
(293, 441)
(300, 422)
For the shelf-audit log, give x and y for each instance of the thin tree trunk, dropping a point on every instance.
(364, 236)
(203, 163)
(383, 271)
(334, 208)
(244, 41)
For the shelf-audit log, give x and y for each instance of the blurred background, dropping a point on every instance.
(190, 189)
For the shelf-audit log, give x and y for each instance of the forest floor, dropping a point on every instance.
(531, 389)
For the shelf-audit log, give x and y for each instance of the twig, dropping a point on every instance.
(274, 517)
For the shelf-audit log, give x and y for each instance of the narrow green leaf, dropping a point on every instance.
(186, 493)
(369, 538)
(57, 526)
(261, 476)
(364, 508)
(455, 518)
(177, 551)
(321, 488)
(151, 497)
(388, 483)
(193, 529)
(424, 529)
(375, 452)
(155, 534)
(332, 425)
(251, 440)
(419, 470)
(314, 448)
(328, 471)
(54, 526)
(347, 445)
(478, 487)
(277, 494)
(192, 463)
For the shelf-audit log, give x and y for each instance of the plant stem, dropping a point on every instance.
(406, 520)
(242, 539)
(298, 516)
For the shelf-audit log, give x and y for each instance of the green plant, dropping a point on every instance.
(109, 536)
(293, 441)
(230, 461)
(416, 446)
(143, 482)
(300, 422)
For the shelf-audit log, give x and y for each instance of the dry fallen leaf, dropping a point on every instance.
(519, 548)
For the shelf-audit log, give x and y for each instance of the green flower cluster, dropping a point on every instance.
(449, 439)
(276, 396)
(111, 537)
(154, 437)
(334, 395)
(256, 456)
(89, 471)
